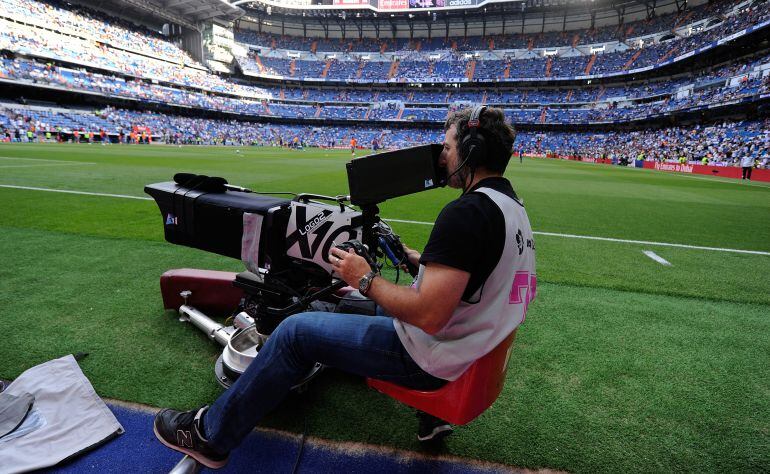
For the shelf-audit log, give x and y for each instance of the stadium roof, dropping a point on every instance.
(202, 9)
(543, 15)
(416, 6)
(183, 12)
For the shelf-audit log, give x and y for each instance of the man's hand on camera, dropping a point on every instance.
(350, 266)
(412, 255)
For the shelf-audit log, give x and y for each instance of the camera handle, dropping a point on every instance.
(394, 250)
(339, 199)
(370, 214)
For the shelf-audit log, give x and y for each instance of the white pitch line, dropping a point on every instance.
(45, 165)
(659, 244)
(656, 257)
(84, 193)
(408, 222)
(43, 159)
(550, 234)
(625, 241)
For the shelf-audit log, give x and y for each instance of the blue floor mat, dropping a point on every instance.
(138, 451)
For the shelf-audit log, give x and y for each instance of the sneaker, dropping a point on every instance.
(180, 430)
(432, 428)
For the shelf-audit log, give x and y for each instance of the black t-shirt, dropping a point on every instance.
(469, 234)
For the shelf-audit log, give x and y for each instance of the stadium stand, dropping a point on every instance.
(501, 42)
(720, 144)
(94, 25)
(575, 105)
(57, 46)
(514, 53)
(138, 52)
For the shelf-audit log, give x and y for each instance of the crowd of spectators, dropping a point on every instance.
(77, 35)
(94, 25)
(511, 40)
(148, 68)
(301, 43)
(35, 125)
(58, 30)
(720, 144)
(716, 11)
(142, 90)
(453, 63)
(452, 67)
(523, 105)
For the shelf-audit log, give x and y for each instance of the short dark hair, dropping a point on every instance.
(498, 135)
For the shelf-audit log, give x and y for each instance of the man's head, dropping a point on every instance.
(490, 148)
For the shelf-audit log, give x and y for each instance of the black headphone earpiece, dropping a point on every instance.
(473, 148)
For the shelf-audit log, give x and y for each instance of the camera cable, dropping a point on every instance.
(302, 440)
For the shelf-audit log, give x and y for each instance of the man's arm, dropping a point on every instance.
(428, 308)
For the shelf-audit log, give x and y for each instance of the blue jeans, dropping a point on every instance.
(362, 345)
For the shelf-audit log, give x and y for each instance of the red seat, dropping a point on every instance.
(462, 400)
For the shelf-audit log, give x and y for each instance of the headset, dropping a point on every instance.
(473, 148)
(473, 145)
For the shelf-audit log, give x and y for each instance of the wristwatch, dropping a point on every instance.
(366, 282)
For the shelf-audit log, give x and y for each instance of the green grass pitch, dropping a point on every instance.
(623, 364)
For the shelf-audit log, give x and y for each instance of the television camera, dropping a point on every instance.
(284, 244)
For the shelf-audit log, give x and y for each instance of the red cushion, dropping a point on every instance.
(212, 291)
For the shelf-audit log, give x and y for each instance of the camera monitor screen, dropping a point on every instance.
(375, 178)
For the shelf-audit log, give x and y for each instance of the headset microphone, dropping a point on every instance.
(462, 165)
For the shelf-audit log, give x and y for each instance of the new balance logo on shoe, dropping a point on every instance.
(184, 438)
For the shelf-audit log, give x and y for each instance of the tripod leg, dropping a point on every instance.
(187, 465)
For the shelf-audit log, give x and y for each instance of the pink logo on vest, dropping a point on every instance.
(523, 290)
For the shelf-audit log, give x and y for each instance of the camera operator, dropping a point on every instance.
(467, 299)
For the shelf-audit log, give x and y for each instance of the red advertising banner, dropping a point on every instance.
(604, 161)
(722, 171)
(678, 167)
(392, 4)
